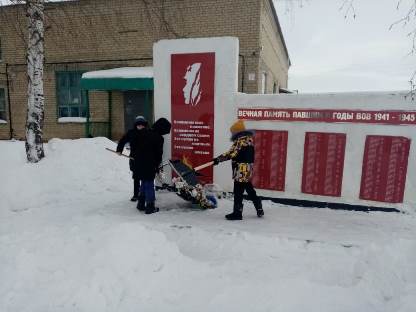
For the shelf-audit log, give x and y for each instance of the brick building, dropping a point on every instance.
(91, 35)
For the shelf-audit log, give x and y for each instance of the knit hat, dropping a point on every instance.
(140, 121)
(238, 126)
(162, 126)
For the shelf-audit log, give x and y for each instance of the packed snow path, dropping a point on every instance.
(70, 240)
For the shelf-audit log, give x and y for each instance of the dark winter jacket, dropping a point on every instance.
(146, 149)
(241, 154)
(148, 152)
(130, 137)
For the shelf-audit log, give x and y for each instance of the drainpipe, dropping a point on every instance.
(110, 117)
(87, 124)
(243, 71)
(8, 102)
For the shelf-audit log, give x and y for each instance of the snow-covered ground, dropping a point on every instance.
(70, 240)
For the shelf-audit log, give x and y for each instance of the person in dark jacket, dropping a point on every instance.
(148, 152)
(241, 154)
(155, 153)
(131, 137)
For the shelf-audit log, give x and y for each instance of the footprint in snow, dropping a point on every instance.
(175, 226)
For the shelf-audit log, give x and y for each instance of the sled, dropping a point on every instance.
(186, 185)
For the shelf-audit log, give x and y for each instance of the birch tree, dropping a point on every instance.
(35, 57)
(35, 97)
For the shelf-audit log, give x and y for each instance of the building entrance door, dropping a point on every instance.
(137, 103)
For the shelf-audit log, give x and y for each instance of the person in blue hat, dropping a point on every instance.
(131, 137)
(146, 147)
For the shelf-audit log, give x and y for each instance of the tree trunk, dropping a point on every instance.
(35, 61)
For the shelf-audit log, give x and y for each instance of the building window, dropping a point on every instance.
(263, 82)
(68, 89)
(2, 104)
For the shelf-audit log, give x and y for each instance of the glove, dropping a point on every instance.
(216, 161)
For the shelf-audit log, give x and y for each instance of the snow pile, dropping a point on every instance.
(70, 240)
(69, 171)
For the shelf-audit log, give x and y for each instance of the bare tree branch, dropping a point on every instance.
(409, 19)
(348, 8)
(152, 9)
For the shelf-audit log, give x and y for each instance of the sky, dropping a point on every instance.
(332, 53)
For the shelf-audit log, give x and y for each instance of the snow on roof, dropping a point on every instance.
(122, 72)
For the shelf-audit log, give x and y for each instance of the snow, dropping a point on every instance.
(72, 119)
(70, 240)
(122, 72)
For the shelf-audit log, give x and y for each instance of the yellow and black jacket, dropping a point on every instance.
(241, 154)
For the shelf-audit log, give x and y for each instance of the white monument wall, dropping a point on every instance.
(227, 102)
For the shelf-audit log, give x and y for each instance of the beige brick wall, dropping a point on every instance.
(274, 60)
(88, 30)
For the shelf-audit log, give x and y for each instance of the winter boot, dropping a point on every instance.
(150, 208)
(237, 213)
(136, 185)
(259, 207)
(141, 205)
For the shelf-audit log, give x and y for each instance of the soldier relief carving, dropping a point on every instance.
(192, 91)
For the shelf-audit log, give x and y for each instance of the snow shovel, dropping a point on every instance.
(208, 164)
(110, 150)
(196, 169)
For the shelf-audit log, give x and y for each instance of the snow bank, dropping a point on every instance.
(112, 269)
(70, 170)
(70, 240)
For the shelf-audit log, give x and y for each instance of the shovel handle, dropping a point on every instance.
(204, 166)
(109, 149)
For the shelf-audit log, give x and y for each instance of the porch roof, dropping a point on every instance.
(123, 78)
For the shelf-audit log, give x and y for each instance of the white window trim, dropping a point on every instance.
(263, 82)
(72, 120)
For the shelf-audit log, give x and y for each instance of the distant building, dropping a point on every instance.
(91, 35)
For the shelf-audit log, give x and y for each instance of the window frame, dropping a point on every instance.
(82, 106)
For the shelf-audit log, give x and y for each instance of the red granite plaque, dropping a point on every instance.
(323, 163)
(384, 168)
(270, 160)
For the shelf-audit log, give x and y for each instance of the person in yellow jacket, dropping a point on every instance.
(241, 154)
